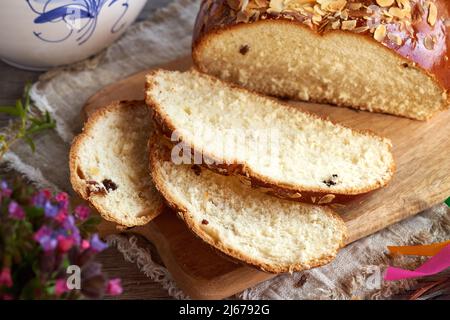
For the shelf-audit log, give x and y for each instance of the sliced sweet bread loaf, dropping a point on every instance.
(272, 234)
(377, 55)
(109, 164)
(271, 145)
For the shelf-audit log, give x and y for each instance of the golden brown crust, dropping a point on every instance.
(424, 45)
(195, 228)
(76, 175)
(247, 175)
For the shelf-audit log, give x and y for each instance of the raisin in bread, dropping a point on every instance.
(109, 164)
(272, 234)
(274, 146)
(376, 55)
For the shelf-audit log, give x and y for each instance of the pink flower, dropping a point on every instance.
(114, 287)
(61, 216)
(61, 287)
(46, 238)
(41, 198)
(46, 193)
(82, 212)
(63, 200)
(5, 190)
(85, 244)
(62, 197)
(64, 244)
(5, 278)
(43, 231)
(16, 211)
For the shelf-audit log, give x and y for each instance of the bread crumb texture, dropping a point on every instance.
(109, 164)
(311, 153)
(273, 234)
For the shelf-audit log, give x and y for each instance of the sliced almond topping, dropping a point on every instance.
(344, 15)
(409, 27)
(326, 199)
(397, 12)
(355, 6)
(309, 9)
(404, 4)
(316, 18)
(348, 25)
(337, 5)
(395, 39)
(275, 6)
(432, 14)
(361, 29)
(296, 195)
(336, 25)
(428, 43)
(385, 3)
(332, 5)
(380, 33)
(313, 199)
(308, 23)
(318, 10)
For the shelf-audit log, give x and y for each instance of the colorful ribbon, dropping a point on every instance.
(422, 250)
(439, 261)
(436, 264)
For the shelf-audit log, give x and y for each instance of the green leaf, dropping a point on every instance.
(65, 263)
(50, 290)
(41, 123)
(90, 225)
(20, 109)
(34, 212)
(447, 202)
(26, 96)
(12, 111)
(36, 121)
(28, 124)
(38, 128)
(48, 118)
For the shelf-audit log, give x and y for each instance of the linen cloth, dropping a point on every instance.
(166, 35)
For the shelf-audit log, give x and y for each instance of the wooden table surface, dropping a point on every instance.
(136, 284)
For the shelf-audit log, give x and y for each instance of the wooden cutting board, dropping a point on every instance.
(422, 179)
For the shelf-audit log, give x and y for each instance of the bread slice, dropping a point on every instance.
(296, 50)
(272, 234)
(109, 164)
(271, 145)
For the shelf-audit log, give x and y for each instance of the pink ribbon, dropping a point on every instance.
(436, 264)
